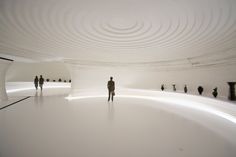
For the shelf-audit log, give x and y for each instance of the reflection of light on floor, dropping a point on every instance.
(187, 101)
(174, 101)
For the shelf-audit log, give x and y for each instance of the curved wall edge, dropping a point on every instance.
(4, 65)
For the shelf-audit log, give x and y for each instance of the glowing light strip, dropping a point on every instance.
(18, 90)
(188, 104)
(33, 88)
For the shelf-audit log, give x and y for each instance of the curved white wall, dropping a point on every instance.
(93, 77)
(4, 64)
(24, 72)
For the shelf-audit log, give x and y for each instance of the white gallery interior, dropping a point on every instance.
(142, 44)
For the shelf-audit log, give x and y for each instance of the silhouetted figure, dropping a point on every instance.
(215, 92)
(185, 89)
(36, 82)
(162, 87)
(174, 88)
(41, 81)
(200, 90)
(111, 88)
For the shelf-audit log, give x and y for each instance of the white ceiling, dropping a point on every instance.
(120, 31)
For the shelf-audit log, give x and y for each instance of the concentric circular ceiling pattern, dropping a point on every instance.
(120, 31)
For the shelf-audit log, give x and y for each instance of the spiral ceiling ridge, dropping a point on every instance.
(119, 31)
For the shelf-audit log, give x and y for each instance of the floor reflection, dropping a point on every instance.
(38, 98)
(126, 127)
(110, 111)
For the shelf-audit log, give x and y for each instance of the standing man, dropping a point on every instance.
(41, 81)
(111, 89)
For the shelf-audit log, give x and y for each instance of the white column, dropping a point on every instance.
(4, 64)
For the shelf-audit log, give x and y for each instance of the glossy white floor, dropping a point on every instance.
(137, 124)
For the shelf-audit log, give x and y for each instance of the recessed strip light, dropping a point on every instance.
(184, 103)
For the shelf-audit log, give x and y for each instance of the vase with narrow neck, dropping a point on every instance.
(232, 96)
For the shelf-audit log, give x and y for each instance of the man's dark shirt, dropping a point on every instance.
(111, 85)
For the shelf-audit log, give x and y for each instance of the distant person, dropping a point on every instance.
(111, 89)
(41, 81)
(36, 82)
